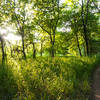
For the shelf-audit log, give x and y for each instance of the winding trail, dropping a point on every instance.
(96, 84)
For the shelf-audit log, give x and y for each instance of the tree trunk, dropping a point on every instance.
(41, 49)
(3, 52)
(78, 45)
(84, 22)
(11, 52)
(86, 39)
(34, 50)
(23, 50)
(87, 46)
(52, 50)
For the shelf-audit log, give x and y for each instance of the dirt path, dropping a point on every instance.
(96, 85)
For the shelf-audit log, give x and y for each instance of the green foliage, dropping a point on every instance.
(39, 22)
(8, 85)
(60, 78)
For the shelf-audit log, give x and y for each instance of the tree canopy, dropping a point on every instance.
(53, 27)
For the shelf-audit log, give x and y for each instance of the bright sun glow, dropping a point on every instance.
(13, 38)
(62, 1)
(9, 35)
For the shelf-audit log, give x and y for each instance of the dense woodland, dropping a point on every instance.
(48, 48)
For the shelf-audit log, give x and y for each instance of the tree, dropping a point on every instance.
(89, 21)
(3, 13)
(83, 20)
(31, 38)
(20, 18)
(47, 17)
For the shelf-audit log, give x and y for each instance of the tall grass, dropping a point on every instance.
(60, 78)
(8, 85)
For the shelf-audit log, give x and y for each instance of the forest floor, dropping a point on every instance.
(96, 84)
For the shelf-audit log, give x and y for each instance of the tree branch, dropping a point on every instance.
(96, 6)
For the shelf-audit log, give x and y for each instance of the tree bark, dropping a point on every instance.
(78, 45)
(3, 52)
(77, 39)
(41, 49)
(84, 22)
(53, 51)
(34, 50)
(23, 46)
(11, 52)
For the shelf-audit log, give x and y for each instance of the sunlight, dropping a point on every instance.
(62, 1)
(12, 38)
(9, 35)
(3, 31)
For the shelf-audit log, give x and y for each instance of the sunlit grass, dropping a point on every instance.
(61, 78)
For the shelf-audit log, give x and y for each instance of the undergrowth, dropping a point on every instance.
(60, 78)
